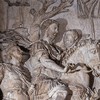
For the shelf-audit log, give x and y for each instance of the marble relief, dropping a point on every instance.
(49, 50)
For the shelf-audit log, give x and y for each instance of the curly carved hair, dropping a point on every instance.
(45, 24)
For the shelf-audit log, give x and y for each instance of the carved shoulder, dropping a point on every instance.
(38, 47)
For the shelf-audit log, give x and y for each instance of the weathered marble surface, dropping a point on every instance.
(50, 49)
(72, 16)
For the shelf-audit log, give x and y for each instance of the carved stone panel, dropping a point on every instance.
(50, 49)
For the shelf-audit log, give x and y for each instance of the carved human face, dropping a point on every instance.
(69, 39)
(16, 56)
(52, 31)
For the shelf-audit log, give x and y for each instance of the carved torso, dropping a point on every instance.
(10, 81)
(52, 50)
(13, 81)
(39, 49)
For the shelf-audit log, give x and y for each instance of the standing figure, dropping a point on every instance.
(43, 67)
(14, 78)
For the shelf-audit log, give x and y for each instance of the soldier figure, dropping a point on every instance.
(14, 78)
(43, 67)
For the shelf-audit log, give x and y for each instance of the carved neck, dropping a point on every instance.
(46, 38)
